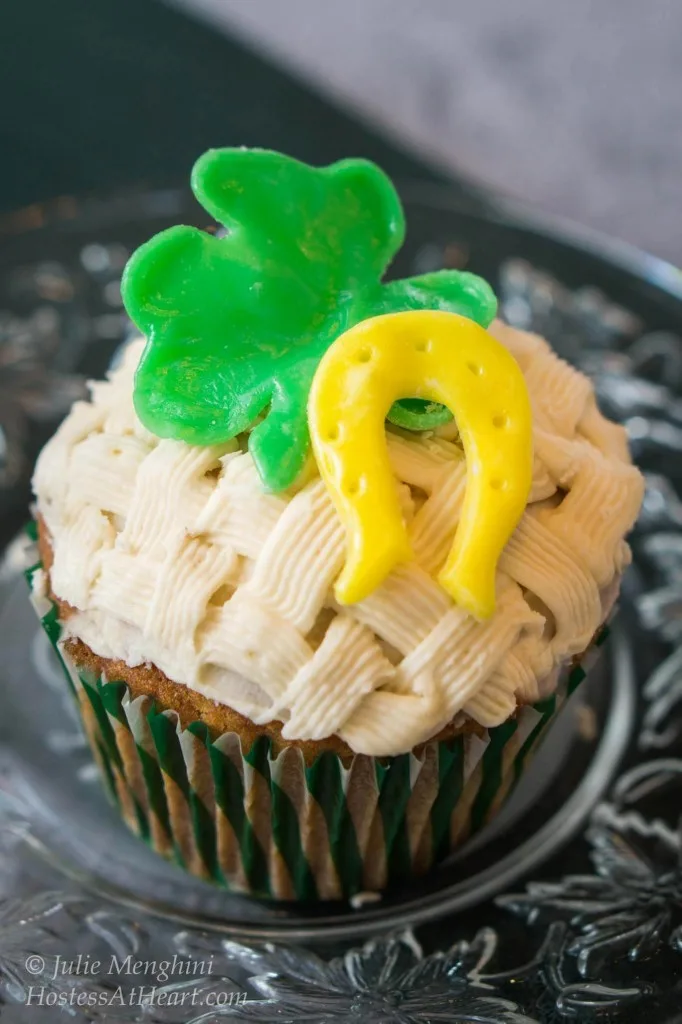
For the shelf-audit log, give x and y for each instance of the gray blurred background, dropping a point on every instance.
(575, 105)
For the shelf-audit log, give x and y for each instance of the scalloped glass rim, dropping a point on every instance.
(508, 212)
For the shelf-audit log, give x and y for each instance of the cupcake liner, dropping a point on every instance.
(274, 826)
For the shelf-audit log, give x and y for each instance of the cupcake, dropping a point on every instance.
(323, 556)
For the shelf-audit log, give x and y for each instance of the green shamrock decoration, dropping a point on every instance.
(237, 325)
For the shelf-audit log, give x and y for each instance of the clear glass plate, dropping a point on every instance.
(589, 842)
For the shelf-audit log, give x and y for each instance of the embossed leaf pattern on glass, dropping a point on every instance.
(661, 611)
(39, 929)
(387, 981)
(24, 927)
(629, 907)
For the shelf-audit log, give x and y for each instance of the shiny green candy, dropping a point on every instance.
(236, 325)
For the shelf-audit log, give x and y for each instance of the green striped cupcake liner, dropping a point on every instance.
(273, 826)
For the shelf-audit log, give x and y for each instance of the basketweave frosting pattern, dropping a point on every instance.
(174, 555)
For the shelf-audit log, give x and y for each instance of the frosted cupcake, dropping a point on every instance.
(312, 669)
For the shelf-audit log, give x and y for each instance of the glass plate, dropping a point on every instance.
(568, 907)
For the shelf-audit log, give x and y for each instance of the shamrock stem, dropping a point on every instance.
(279, 445)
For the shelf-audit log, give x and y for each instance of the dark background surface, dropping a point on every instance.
(101, 94)
(575, 107)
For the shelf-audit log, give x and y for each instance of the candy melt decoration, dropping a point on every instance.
(440, 357)
(236, 325)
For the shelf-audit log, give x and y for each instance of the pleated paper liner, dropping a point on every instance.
(273, 826)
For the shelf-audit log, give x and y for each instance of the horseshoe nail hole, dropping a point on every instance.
(501, 421)
(475, 369)
(364, 355)
(116, 451)
(497, 484)
(333, 433)
(422, 346)
(355, 487)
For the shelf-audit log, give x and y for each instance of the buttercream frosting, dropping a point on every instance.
(174, 555)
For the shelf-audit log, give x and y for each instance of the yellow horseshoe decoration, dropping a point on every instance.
(441, 357)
